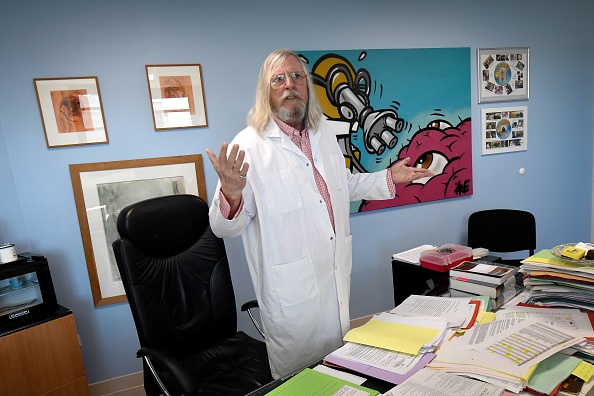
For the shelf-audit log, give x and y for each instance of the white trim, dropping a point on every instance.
(126, 385)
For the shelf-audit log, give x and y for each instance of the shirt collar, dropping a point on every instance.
(289, 130)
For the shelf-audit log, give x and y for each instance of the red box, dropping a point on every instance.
(445, 257)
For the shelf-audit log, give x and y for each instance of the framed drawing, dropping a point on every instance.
(71, 111)
(102, 189)
(504, 129)
(502, 74)
(177, 96)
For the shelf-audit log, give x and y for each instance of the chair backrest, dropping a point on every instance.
(175, 273)
(502, 230)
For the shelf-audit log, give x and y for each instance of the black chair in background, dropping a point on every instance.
(503, 231)
(176, 277)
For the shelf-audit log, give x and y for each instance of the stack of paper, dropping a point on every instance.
(412, 256)
(457, 312)
(507, 351)
(555, 282)
(393, 346)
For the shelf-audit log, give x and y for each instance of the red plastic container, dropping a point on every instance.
(445, 257)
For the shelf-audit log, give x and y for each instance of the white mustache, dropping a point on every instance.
(291, 92)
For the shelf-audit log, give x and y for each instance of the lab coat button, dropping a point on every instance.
(331, 238)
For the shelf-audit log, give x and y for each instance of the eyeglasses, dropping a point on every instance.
(279, 81)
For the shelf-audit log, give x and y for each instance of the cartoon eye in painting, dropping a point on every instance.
(433, 161)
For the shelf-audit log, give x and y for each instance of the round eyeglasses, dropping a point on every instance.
(280, 80)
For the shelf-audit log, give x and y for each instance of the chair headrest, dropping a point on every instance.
(164, 226)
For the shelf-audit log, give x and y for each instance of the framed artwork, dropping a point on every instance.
(71, 111)
(385, 105)
(504, 129)
(177, 96)
(502, 74)
(103, 189)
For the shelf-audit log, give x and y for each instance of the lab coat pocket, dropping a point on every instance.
(295, 282)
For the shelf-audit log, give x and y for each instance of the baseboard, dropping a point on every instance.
(126, 385)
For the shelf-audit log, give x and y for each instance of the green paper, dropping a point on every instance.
(311, 382)
(551, 372)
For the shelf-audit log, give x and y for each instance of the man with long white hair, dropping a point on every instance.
(284, 187)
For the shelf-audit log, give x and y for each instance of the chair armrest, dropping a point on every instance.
(166, 361)
(248, 306)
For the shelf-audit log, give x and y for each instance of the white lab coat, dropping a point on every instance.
(300, 267)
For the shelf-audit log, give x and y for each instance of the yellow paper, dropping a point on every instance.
(584, 370)
(393, 336)
(487, 317)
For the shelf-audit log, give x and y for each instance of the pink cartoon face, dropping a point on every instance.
(446, 151)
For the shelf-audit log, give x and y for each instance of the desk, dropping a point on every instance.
(382, 386)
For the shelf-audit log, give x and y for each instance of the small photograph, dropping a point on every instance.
(487, 62)
(520, 66)
(490, 86)
(493, 116)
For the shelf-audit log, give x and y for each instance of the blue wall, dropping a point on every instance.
(114, 40)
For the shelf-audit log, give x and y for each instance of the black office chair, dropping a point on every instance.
(503, 231)
(176, 277)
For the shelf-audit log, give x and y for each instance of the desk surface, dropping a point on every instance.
(383, 386)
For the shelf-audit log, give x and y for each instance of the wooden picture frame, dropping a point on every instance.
(503, 74)
(177, 96)
(71, 111)
(103, 189)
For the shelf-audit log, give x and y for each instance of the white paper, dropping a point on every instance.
(454, 310)
(566, 319)
(432, 382)
(395, 362)
(413, 255)
(355, 379)
(523, 344)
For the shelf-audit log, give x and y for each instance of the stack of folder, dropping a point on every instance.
(394, 346)
(556, 282)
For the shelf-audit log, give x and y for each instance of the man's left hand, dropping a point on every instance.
(402, 173)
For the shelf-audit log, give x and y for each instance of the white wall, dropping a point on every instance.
(114, 40)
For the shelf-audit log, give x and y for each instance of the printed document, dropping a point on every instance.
(427, 382)
(454, 310)
(412, 256)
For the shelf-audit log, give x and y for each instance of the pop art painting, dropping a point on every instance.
(388, 104)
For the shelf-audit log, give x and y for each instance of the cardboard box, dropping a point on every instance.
(445, 257)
